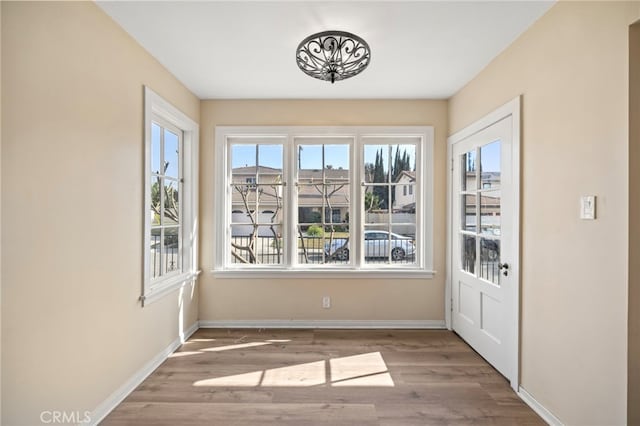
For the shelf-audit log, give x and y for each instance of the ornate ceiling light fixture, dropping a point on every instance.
(333, 55)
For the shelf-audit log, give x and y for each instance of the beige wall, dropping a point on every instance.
(633, 360)
(73, 330)
(571, 67)
(352, 299)
(0, 213)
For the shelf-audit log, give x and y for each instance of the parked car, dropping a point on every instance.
(490, 249)
(376, 244)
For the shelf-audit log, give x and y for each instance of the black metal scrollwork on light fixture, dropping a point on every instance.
(333, 55)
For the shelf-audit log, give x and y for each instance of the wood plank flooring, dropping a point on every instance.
(323, 377)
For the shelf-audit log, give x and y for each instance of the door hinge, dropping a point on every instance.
(452, 164)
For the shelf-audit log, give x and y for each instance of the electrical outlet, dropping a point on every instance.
(326, 302)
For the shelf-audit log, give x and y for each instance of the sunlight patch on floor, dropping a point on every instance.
(375, 380)
(308, 374)
(247, 379)
(184, 353)
(358, 370)
(238, 346)
(357, 365)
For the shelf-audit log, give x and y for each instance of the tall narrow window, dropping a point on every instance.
(171, 205)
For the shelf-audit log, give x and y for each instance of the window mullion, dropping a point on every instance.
(389, 204)
(180, 186)
(161, 209)
(356, 207)
(290, 198)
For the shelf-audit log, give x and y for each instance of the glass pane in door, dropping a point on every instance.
(490, 213)
(469, 253)
(469, 213)
(490, 165)
(468, 168)
(490, 259)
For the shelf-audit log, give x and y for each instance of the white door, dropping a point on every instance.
(484, 243)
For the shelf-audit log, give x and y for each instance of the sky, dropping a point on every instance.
(170, 150)
(311, 155)
(489, 155)
(271, 156)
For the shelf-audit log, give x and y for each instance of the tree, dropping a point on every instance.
(401, 163)
(369, 171)
(371, 201)
(244, 190)
(171, 199)
(471, 164)
(379, 176)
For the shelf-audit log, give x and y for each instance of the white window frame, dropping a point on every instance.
(423, 268)
(158, 110)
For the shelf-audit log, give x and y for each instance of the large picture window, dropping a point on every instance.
(316, 200)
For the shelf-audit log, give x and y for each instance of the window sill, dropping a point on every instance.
(318, 273)
(164, 287)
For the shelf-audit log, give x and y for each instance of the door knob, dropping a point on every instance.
(504, 267)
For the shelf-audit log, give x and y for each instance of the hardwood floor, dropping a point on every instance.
(324, 377)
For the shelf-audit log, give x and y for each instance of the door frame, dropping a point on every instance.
(511, 108)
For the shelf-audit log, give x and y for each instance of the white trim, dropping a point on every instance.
(448, 303)
(112, 401)
(326, 324)
(158, 109)
(540, 409)
(158, 291)
(516, 105)
(511, 108)
(319, 273)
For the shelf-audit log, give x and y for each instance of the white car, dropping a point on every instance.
(376, 244)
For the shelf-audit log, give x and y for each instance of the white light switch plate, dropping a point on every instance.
(588, 207)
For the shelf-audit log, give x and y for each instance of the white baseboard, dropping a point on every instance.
(102, 410)
(347, 324)
(546, 415)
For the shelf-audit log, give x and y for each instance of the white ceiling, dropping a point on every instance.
(242, 49)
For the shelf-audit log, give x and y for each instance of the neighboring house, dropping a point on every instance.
(489, 201)
(488, 180)
(335, 195)
(260, 188)
(405, 196)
